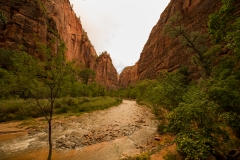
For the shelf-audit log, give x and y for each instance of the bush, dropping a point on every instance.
(21, 109)
(170, 156)
(18, 109)
(63, 109)
(71, 101)
(160, 128)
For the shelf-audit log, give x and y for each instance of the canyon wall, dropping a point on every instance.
(31, 21)
(162, 54)
(128, 76)
(105, 73)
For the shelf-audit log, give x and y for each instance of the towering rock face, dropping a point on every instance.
(69, 27)
(128, 76)
(163, 54)
(105, 73)
(31, 21)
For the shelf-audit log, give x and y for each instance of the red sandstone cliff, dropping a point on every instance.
(105, 73)
(128, 76)
(163, 54)
(29, 21)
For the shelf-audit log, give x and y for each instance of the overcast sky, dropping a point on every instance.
(120, 27)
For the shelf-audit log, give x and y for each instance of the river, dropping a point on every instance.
(112, 134)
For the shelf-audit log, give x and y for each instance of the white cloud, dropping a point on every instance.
(121, 27)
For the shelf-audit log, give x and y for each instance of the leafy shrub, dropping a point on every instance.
(63, 109)
(170, 156)
(160, 128)
(21, 109)
(71, 101)
(143, 156)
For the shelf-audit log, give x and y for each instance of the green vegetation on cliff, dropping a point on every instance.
(203, 114)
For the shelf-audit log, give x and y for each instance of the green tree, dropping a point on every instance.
(218, 24)
(3, 19)
(87, 74)
(6, 79)
(43, 78)
(224, 28)
(197, 43)
(210, 108)
(196, 123)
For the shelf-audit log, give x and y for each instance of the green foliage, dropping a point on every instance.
(40, 78)
(232, 120)
(170, 156)
(199, 120)
(207, 110)
(18, 109)
(143, 156)
(160, 128)
(169, 92)
(6, 56)
(224, 27)
(6, 80)
(218, 23)
(192, 145)
(224, 90)
(42, 6)
(86, 75)
(98, 104)
(84, 104)
(55, 32)
(166, 92)
(76, 89)
(3, 19)
(12, 109)
(204, 115)
(196, 42)
(196, 123)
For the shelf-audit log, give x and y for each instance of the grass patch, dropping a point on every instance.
(20, 109)
(85, 104)
(170, 156)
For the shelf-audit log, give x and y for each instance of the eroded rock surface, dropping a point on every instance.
(32, 21)
(128, 76)
(106, 73)
(161, 54)
(120, 131)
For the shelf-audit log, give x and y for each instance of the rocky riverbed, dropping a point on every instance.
(115, 133)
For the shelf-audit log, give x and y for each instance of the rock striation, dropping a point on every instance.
(32, 21)
(128, 76)
(106, 74)
(161, 54)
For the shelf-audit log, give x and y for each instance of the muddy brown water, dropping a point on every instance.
(112, 134)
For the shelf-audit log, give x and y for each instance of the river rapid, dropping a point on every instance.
(112, 134)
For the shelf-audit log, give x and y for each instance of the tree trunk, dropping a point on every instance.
(50, 139)
(215, 153)
(233, 155)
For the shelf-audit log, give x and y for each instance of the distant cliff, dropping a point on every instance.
(163, 54)
(29, 21)
(106, 73)
(128, 76)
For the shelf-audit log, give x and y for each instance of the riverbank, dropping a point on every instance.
(114, 133)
